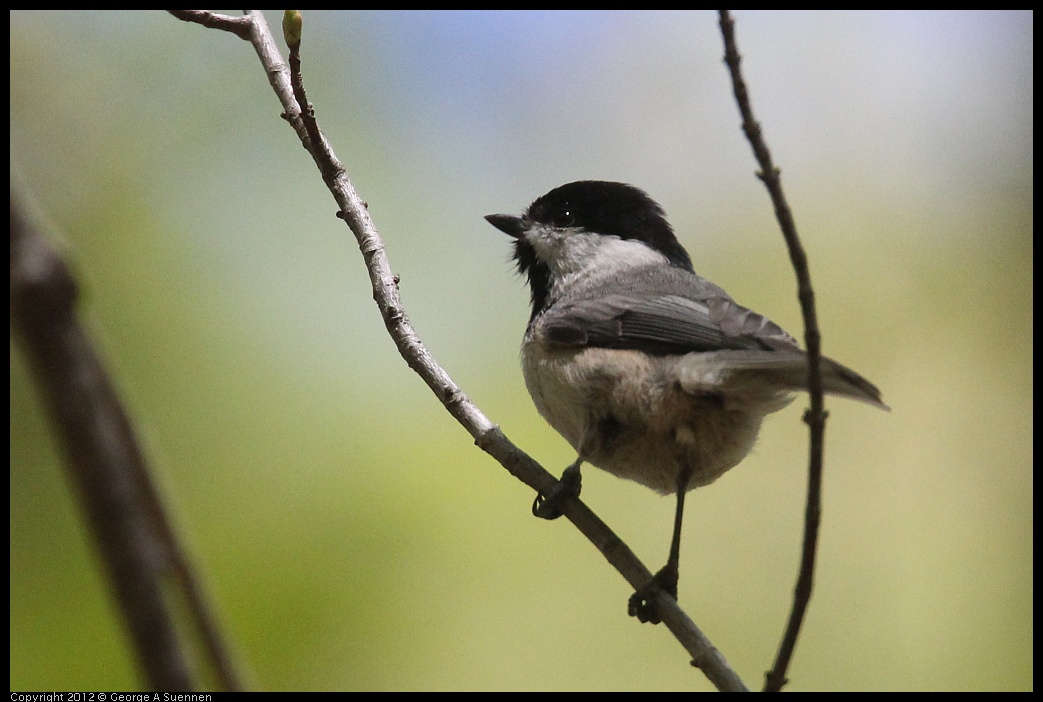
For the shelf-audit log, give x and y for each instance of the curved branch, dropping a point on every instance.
(487, 436)
(815, 417)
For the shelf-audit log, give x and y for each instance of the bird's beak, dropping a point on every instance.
(508, 224)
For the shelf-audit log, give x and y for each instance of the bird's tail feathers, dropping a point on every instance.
(763, 373)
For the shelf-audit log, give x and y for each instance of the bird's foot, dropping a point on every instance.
(642, 603)
(549, 506)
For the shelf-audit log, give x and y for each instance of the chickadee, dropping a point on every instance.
(648, 370)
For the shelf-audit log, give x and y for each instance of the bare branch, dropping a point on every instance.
(816, 415)
(487, 435)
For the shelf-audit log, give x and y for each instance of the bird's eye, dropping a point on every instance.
(564, 217)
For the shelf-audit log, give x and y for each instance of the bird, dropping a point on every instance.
(649, 371)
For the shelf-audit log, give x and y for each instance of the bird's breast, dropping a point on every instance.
(626, 412)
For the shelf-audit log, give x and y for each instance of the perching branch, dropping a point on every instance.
(487, 435)
(816, 415)
(146, 564)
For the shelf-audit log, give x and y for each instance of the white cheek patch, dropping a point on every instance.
(620, 253)
(570, 252)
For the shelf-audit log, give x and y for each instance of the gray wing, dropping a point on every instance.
(679, 313)
(661, 324)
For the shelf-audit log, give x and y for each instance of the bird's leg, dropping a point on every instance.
(642, 602)
(549, 506)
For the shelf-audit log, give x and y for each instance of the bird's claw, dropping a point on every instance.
(642, 603)
(549, 506)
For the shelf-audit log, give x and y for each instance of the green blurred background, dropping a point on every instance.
(351, 534)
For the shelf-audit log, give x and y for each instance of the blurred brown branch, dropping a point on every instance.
(108, 468)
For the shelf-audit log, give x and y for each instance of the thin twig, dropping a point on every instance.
(239, 26)
(815, 417)
(487, 435)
